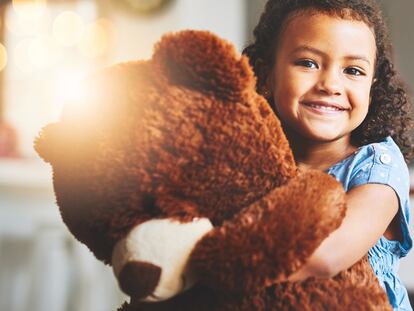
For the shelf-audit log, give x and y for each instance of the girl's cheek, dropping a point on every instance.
(301, 84)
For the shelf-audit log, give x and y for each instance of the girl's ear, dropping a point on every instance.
(264, 79)
(267, 88)
(374, 80)
(265, 92)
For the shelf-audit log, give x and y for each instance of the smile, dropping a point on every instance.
(323, 108)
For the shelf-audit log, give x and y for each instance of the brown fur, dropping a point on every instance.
(185, 135)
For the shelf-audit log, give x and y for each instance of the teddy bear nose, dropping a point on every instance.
(139, 279)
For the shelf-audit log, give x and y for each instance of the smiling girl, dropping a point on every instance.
(325, 67)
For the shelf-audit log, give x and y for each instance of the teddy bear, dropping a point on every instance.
(177, 173)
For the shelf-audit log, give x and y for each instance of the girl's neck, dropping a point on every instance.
(319, 155)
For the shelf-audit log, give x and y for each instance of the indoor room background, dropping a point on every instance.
(46, 48)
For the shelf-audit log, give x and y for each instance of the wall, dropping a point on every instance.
(399, 15)
(137, 34)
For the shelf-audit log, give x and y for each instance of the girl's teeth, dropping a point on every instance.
(325, 108)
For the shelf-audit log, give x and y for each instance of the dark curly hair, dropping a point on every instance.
(389, 112)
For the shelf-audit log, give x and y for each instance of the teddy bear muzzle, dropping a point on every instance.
(150, 263)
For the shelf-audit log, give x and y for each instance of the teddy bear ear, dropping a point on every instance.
(47, 144)
(201, 60)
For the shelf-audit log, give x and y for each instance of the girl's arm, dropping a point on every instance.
(371, 208)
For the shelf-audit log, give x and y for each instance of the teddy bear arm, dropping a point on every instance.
(272, 237)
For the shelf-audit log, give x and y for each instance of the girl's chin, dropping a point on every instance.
(326, 135)
(317, 132)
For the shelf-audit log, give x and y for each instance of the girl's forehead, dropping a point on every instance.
(324, 31)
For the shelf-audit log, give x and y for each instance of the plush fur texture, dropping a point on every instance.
(185, 135)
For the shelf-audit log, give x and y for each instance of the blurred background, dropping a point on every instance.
(46, 48)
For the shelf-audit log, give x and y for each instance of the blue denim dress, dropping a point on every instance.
(382, 163)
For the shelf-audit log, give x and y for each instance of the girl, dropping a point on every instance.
(325, 67)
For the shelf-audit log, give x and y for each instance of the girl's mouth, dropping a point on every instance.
(323, 107)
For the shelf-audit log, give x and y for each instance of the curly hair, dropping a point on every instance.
(389, 111)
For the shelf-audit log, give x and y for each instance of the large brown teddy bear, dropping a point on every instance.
(177, 173)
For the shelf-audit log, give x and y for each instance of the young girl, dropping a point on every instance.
(325, 67)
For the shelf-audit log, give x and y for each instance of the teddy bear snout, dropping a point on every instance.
(150, 263)
(139, 279)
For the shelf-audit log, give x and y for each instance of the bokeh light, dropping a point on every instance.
(97, 39)
(68, 28)
(22, 57)
(143, 6)
(36, 53)
(29, 7)
(3, 57)
(44, 52)
(24, 24)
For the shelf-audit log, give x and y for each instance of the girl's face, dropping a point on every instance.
(322, 76)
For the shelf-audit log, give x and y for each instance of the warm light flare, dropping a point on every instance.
(68, 28)
(70, 88)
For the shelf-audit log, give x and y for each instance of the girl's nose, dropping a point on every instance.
(330, 83)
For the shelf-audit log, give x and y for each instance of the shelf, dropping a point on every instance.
(25, 173)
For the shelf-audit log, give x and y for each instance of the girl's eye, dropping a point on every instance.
(354, 71)
(307, 63)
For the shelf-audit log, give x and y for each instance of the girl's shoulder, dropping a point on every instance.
(384, 152)
(380, 161)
